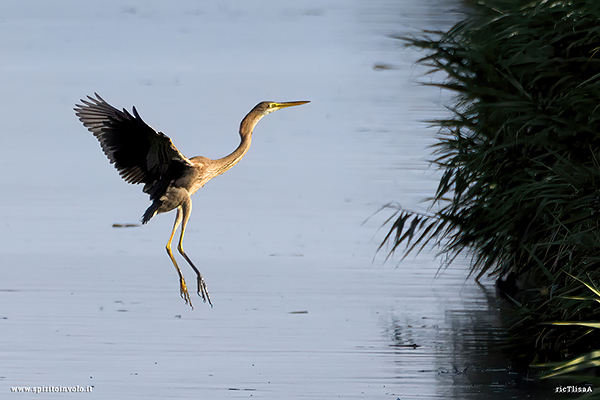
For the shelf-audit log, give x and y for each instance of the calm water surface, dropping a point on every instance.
(304, 308)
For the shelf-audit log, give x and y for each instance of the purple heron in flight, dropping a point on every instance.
(142, 155)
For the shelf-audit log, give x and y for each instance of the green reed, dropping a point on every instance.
(520, 151)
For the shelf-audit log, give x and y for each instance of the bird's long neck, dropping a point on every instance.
(246, 128)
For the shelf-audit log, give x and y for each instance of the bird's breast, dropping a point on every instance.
(197, 177)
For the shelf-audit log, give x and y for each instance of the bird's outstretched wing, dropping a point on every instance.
(139, 153)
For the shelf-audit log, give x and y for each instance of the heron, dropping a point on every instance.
(142, 154)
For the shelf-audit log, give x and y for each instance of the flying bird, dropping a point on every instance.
(143, 155)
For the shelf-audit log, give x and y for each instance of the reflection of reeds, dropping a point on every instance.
(520, 153)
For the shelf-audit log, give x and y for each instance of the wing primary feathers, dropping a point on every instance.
(139, 153)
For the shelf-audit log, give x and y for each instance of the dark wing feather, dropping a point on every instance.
(139, 153)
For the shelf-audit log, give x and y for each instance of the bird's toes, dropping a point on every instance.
(183, 292)
(201, 290)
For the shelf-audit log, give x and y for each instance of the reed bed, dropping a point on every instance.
(520, 155)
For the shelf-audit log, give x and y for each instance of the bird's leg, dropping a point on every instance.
(182, 286)
(186, 208)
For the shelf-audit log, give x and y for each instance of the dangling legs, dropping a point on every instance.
(186, 208)
(182, 286)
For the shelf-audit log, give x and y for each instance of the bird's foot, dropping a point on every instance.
(183, 292)
(202, 292)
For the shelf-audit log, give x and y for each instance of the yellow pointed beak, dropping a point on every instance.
(277, 106)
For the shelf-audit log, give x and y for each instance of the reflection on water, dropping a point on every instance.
(461, 352)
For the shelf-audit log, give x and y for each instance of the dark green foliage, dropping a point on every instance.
(520, 153)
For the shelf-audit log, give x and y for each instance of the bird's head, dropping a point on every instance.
(260, 110)
(267, 107)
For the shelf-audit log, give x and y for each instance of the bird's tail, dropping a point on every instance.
(151, 211)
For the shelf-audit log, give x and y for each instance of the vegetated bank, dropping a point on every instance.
(520, 154)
